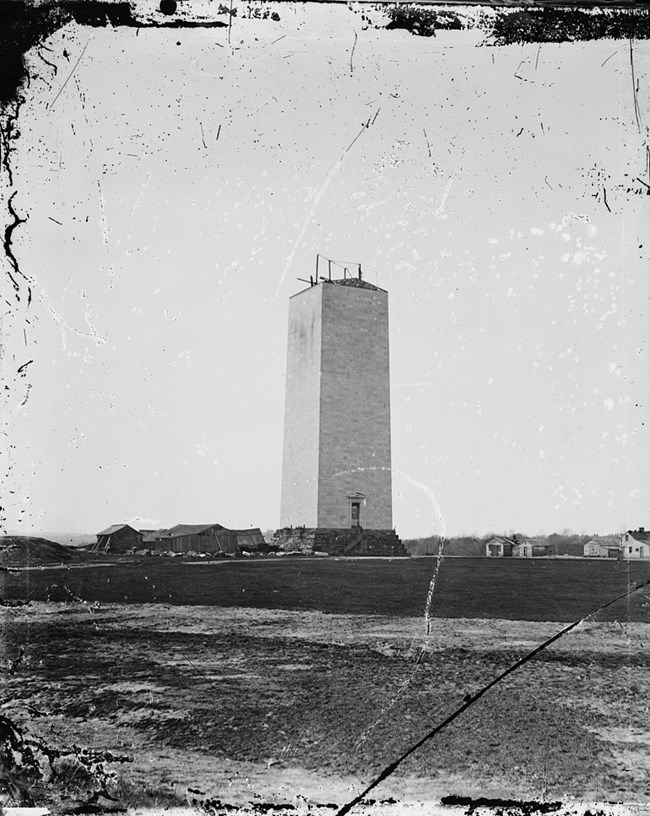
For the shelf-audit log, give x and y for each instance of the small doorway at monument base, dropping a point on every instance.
(355, 513)
(357, 501)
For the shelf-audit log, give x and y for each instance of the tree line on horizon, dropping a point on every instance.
(564, 543)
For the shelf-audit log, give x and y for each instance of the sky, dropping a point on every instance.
(176, 186)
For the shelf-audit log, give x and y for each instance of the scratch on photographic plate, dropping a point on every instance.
(440, 212)
(316, 201)
(74, 68)
(102, 215)
(471, 699)
(93, 334)
(546, 24)
(145, 184)
(439, 522)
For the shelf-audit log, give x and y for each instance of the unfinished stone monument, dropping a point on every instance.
(336, 477)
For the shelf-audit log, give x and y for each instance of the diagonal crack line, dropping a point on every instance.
(198, 670)
(389, 769)
(9, 229)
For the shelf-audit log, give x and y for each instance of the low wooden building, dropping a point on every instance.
(499, 547)
(523, 549)
(602, 547)
(211, 539)
(118, 538)
(250, 540)
(532, 548)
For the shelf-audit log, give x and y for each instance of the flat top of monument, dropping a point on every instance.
(357, 283)
(353, 283)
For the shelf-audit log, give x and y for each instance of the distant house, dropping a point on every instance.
(602, 547)
(531, 547)
(499, 547)
(118, 538)
(523, 548)
(250, 540)
(635, 544)
(197, 538)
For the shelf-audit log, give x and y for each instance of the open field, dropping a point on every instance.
(513, 589)
(270, 707)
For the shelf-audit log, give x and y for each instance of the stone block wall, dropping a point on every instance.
(299, 502)
(354, 451)
(335, 541)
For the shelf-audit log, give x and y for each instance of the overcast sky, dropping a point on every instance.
(177, 187)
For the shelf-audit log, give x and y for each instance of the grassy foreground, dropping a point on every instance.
(269, 684)
(266, 707)
(511, 589)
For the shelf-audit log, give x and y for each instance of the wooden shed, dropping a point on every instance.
(532, 547)
(195, 538)
(602, 547)
(118, 538)
(250, 540)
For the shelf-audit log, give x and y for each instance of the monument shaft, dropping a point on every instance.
(337, 457)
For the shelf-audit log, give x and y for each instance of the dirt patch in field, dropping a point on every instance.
(246, 703)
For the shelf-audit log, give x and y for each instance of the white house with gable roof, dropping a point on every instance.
(635, 544)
